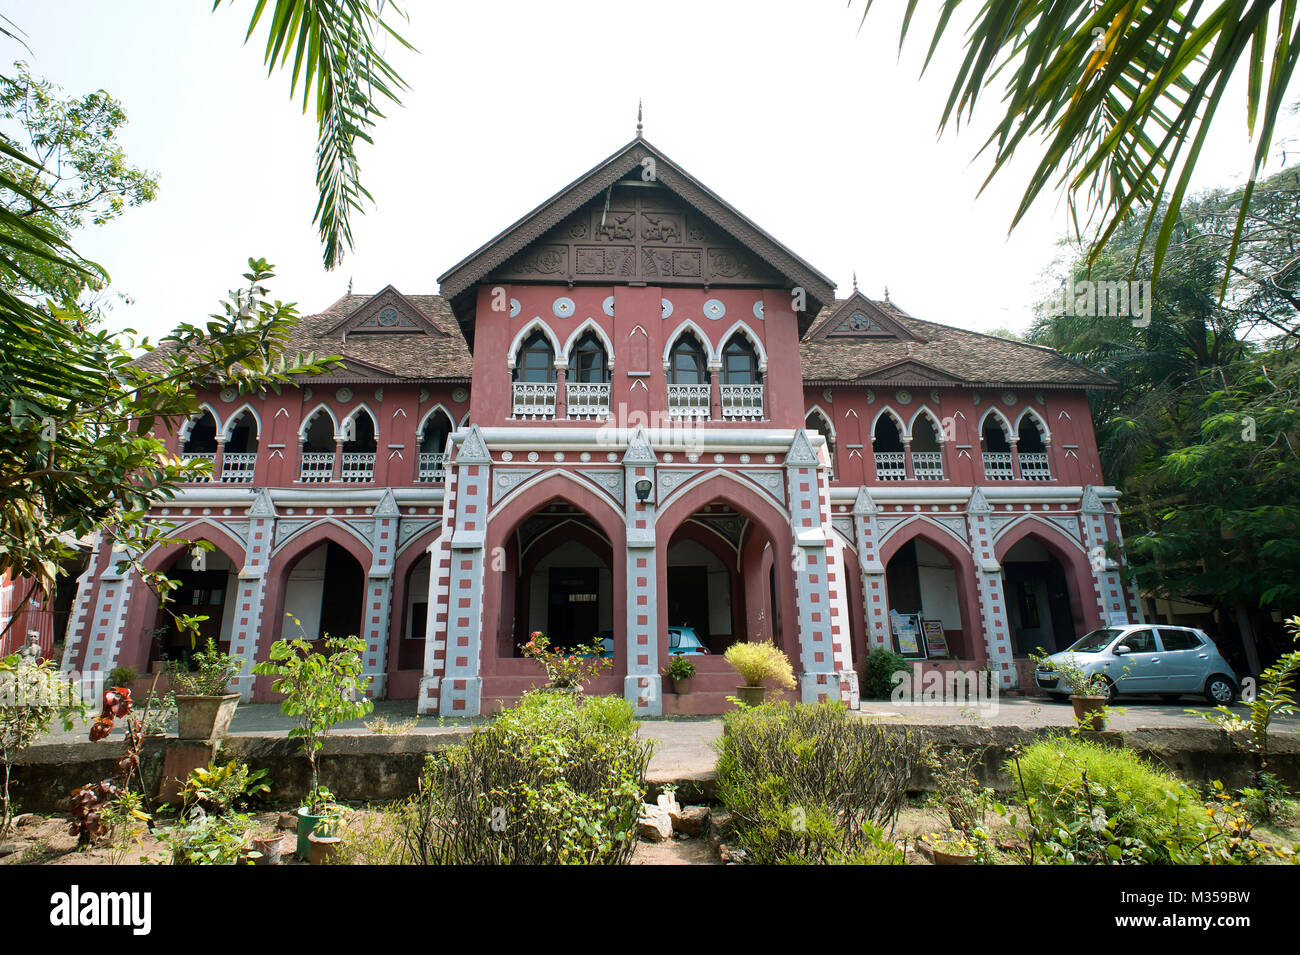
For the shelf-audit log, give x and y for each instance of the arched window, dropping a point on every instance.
(740, 362)
(202, 438)
(536, 361)
(1030, 438)
(887, 436)
(590, 363)
(887, 449)
(927, 450)
(688, 364)
(433, 438)
(361, 434)
(993, 437)
(816, 421)
(319, 435)
(243, 435)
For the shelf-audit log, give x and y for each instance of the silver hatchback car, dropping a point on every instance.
(1141, 659)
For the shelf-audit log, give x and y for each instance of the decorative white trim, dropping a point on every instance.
(710, 355)
(224, 431)
(351, 415)
(1007, 430)
(451, 420)
(904, 432)
(523, 333)
(183, 433)
(824, 416)
(1041, 422)
(591, 325)
(307, 420)
(741, 328)
(934, 420)
(911, 520)
(1037, 519)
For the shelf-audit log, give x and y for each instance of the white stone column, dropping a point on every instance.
(377, 610)
(817, 677)
(460, 690)
(989, 590)
(250, 601)
(643, 684)
(875, 593)
(1105, 569)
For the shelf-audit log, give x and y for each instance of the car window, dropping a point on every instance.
(1095, 641)
(1141, 641)
(1179, 639)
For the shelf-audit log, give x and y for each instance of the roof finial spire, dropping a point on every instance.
(855, 280)
(349, 285)
(639, 126)
(886, 293)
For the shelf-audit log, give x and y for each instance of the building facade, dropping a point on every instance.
(633, 410)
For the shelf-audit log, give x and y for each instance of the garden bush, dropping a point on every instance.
(810, 784)
(1140, 805)
(557, 779)
(881, 665)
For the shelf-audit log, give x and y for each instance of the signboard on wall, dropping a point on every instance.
(936, 644)
(907, 634)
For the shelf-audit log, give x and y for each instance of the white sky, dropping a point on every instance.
(811, 128)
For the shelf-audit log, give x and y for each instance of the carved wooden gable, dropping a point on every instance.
(859, 317)
(387, 312)
(645, 234)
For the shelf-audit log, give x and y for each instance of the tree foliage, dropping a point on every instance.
(1118, 98)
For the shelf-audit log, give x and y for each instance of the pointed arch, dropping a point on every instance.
(352, 414)
(589, 325)
(1039, 421)
(522, 335)
(904, 432)
(307, 420)
(431, 413)
(830, 422)
(1003, 422)
(183, 433)
(235, 415)
(710, 353)
(934, 420)
(328, 528)
(740, 328)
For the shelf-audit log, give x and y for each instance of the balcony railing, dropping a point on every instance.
(1034, 466)
(534, 399)
(433, 467)
(890, 466)
(997, 466)
(689, 401)
(358, 467)
(927, 465)
(587, 399)
(238, 467)
(317, 466)
(199, 456)
(742, 401)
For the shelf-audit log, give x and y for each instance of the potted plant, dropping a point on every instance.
(321, 688)
(759, 664)
(204, 708)
(1089, 692)
(566, 670)
(680, 671)
(270, 848)
(953, 848)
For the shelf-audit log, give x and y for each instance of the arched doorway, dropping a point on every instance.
(926, 576)
(706, 592)
(324, 589)
(1040, 612)
(206, 586)
(415, 615)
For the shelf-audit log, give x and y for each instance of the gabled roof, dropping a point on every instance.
(426, 345)
(859, 317)
(918, 353)
(458, 281)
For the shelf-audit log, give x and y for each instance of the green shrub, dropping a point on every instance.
(761, 663)
(1137, 801)
(878, 681)
(557, 779)
(121, 676)
(812, 784)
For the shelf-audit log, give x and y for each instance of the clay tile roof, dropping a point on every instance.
(934, 354)
(429, 345)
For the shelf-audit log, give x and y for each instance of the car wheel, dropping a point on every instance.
(1112, 692)
(1220, 691)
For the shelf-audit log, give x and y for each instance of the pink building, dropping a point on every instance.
(634, 410)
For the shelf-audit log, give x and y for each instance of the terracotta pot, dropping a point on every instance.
(1089, 712)
(681, 685)
(308, 826)
(271, 847)
(939, 857)
(205, 717)
(751, 695)
(324, 849)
